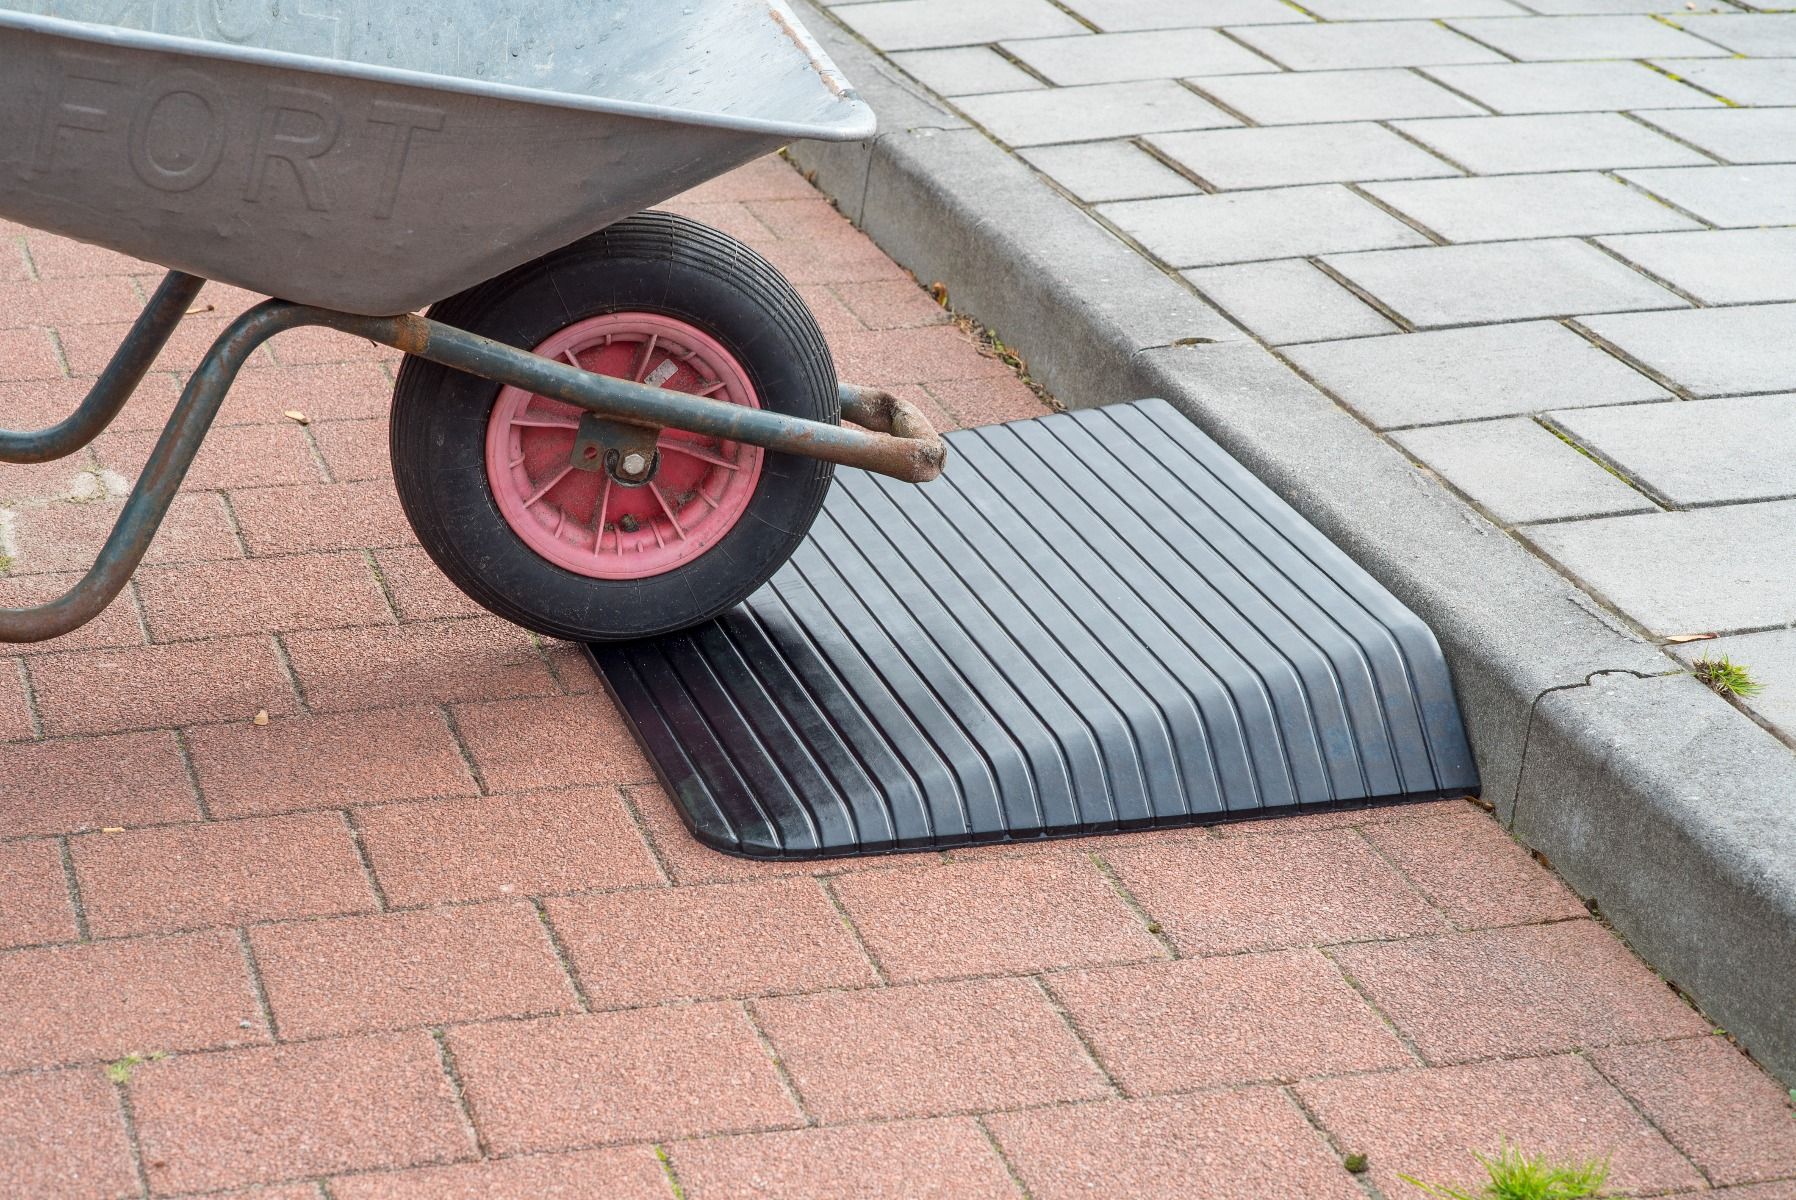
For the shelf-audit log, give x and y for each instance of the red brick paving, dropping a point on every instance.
(209, 1121)
(437, 763)
(702, 943)
(103, 1000)
(897, 1160)
(619, 1076)
(62, 1137)
(1243, 1145)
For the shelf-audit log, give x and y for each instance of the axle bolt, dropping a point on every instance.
(634, 464)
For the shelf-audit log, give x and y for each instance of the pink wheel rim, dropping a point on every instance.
(587, 521)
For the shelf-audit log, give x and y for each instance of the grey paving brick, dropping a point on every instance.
(1718, 266)
(1771, 658)
(1306, 98)
(1468, 374)
(1761, 35)
(1713, 570)
(1392, 10)
(1089, 114)
(1565, 8)
(1501, 281)
(1519, 472)
(1123, 15)
(1290, 154)
(1555, 142)
(1353, 45)
(1695, 452)
(922, 24)
(1711, 351)
(1728, 196)
(1119, 57)
(1289, 300)
(1565, 39)
(966, 71)
(1569, 87)
(1741, 135)
(1490, 208)
(1100, 171)
(1201, 231)
(1762, 81)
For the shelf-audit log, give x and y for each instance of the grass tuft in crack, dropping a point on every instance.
(1514, 1175)
(1726, 677)
(120, 1071)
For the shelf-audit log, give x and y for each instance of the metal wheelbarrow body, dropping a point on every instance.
(607, 425)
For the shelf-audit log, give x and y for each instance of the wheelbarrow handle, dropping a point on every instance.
(130, 362)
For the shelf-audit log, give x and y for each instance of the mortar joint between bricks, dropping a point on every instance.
(1072, 1027)
(1403, 1039)
(562, 956)
(365, 860)
(779, 1064)
(257, 984)
(446, 1060)
(1010, 1168)
(1645, 1117)
(121, 1091)
(826, 884)
(1154, 929)
(628, 800)
(1363, 1178)
(1420, 892)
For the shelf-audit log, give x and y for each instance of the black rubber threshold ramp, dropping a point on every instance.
(1093, 622)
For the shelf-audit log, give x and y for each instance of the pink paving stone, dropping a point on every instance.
(1233, 1019)
(36, 403)
(621, 1173)
(993, 916)
(303, 591)
(395, 970)
(320, 516)
(315, 344)
(419, 589)
(151, 687)
(573, 671)
(891, 304)
(831, 314)
(549, 742)
(885, 357)
(67, 536)
(57, 302)
(1733, 1121)
(805, 262)
(770, 178)
(295, 763)
(34, 895)
(802, 217)
(1348, 818)
(645, 1074)
(1246, 1145)
(232, 456)
(62, 1137)
(211, 1121)
(90, 347)
(61, 258)
(13, 264)
(539, 842)
(354, 449)
(1217, 896)
(15, 703)
(729, 217)
(103, 1000)
(118, 625)
(436, 663)
(1469, 866)
(28, 354)
(947, 1159)
(928, 1049)
(90, 783)
(1428, 1123)
(702, 943)
(1528, 990)
(326, 392)
(34, 483)
(219, 873)
(1782, 1190)
(988, 401)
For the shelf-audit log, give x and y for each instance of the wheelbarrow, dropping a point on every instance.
(609, 423)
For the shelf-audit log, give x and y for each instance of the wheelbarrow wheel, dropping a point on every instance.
(487, 476)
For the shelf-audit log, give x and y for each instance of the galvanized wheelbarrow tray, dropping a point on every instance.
(610, 423)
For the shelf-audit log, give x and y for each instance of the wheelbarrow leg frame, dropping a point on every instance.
(895, 440)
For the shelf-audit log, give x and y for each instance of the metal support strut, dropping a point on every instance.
(896, 439)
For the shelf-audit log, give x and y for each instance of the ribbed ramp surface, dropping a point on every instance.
(1093, 622)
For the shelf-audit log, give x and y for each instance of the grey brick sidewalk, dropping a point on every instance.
(1536, 245)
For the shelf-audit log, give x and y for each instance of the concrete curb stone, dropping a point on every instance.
(1675, 817)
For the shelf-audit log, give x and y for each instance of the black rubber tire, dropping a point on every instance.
(653, 262)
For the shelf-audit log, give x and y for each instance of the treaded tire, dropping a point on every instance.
(654, 262)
